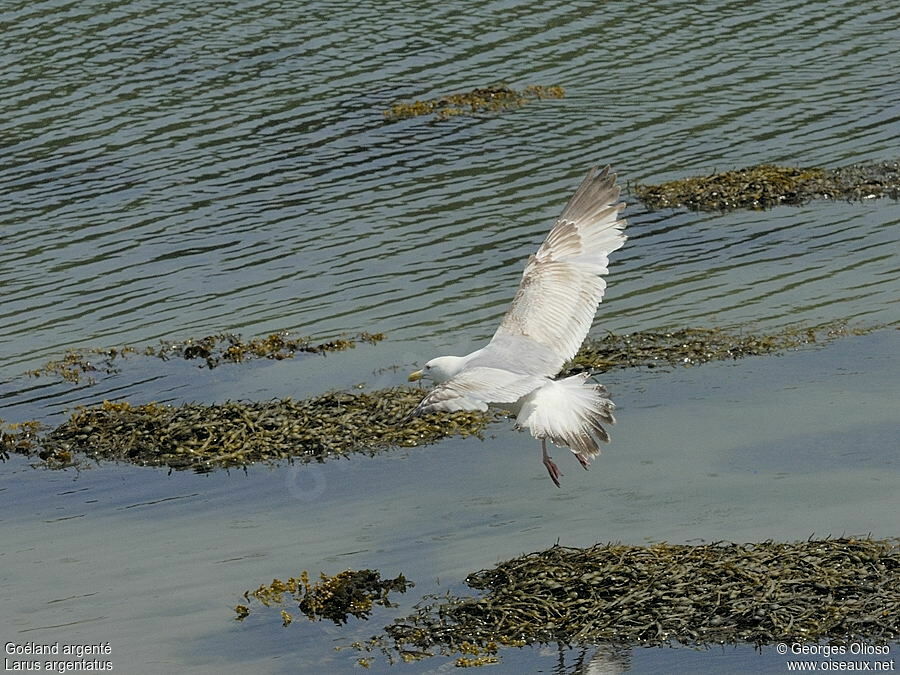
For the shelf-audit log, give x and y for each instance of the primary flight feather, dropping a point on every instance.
(544, 327)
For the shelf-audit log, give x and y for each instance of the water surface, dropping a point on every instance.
(175, 170)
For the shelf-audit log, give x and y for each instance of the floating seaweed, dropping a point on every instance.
(231, 348)
(492, 99)
(865, 180)
(212, 349)
(75, 364)
(832, 589)
(349, 593)
(235, 433)
(693, 346)
(766, 185)
(24, 438)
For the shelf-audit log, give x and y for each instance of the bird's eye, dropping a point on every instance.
(427, 367)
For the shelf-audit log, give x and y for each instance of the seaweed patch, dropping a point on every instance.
(203, 437)
(694, 346)
(213, 350)
(338, 597)
(766, 185)
(479, 101)
(759, 593)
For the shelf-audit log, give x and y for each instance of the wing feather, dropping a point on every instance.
(562, 284)
(475, 388)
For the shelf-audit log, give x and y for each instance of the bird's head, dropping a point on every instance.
(439, 370)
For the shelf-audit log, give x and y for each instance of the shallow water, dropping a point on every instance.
(781, 447)
(174, 170)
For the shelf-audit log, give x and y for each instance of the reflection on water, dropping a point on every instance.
(174, 170)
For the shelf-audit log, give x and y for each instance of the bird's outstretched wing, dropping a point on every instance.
(474, 388)
(557, 298)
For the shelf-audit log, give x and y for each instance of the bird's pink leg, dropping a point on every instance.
(552, 469)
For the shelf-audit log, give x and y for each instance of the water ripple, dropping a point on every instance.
(175, 170)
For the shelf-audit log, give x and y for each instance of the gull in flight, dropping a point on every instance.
(548, 320)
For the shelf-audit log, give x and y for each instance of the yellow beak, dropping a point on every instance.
(415, 377)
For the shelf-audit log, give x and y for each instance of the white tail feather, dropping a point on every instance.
(569, 413)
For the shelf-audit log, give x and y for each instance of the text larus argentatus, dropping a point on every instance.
(543, 328)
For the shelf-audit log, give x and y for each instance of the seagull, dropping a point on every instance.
(543, 328)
